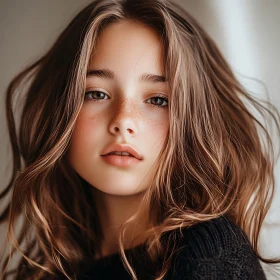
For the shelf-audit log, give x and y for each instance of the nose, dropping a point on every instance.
(123, 120)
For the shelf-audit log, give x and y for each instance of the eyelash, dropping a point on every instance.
(157, 96)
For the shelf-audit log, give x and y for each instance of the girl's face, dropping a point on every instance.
(121, 106)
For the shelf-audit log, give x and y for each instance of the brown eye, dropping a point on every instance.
(95, 95)
(159, 101)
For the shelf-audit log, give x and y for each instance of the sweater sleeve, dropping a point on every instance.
(217, 249)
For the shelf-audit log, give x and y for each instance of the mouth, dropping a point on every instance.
(122, 151)
(120, 160)
(121, 154)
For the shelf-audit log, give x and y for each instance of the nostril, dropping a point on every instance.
(122, 128)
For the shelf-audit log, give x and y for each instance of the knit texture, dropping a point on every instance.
(217, 249)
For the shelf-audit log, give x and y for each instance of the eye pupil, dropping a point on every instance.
(98, 94)
(159, 100)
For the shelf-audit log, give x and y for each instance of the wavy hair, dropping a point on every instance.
(217, 159)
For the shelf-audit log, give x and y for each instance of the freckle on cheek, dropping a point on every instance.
(148, 120)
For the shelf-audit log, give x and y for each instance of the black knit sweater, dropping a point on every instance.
(216, 249)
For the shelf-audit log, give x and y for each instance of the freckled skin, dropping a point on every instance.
(123, 116)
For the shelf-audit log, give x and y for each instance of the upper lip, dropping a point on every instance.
(122, 148)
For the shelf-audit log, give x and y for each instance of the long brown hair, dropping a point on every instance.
(217, 159)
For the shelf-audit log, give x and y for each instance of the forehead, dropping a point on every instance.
(130, 48)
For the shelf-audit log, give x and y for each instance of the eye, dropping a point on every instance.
(159, 101)
(95, 95)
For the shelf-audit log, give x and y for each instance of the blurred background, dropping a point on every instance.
(246, 31)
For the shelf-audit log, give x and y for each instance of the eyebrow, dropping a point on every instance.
(108, 74)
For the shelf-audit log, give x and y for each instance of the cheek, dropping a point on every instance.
(87, 129)
(155, 133)
(157, 122)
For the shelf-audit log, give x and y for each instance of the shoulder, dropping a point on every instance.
(212, 237)
(216, 249)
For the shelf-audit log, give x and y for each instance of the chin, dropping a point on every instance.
(120, 190)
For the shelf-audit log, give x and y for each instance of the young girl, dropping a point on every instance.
(135, 156)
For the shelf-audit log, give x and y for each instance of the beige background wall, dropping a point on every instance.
(247, 31)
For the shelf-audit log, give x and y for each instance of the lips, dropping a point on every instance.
(122, 148)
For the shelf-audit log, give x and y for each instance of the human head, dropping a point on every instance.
(129, 114)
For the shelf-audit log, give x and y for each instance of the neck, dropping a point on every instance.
(113, 211)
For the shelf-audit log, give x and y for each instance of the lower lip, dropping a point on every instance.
(122, 161)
